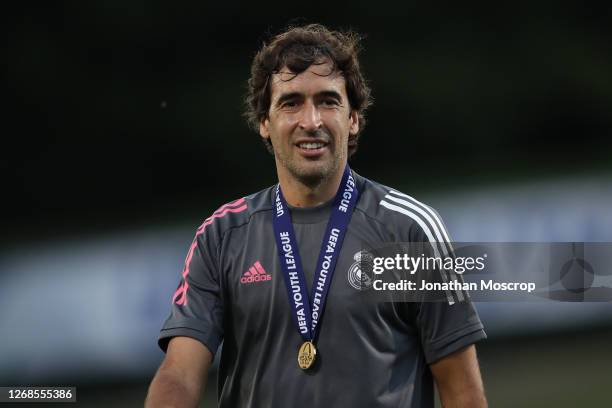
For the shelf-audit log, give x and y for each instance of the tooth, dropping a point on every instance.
(309, 145)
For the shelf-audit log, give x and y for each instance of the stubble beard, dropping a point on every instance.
(310, 174)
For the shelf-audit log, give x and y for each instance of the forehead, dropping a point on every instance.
(316, 79)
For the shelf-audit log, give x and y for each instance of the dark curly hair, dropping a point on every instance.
(298, 48)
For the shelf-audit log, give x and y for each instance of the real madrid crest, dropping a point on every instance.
(358, 272)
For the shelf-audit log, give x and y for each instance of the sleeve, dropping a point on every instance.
(445, 328)
(449, 322)
(197, 303)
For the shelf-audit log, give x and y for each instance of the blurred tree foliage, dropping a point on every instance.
(123, 112)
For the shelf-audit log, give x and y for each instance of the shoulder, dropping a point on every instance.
(409, 218)
(236, 213)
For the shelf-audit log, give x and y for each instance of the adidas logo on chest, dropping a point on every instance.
(256, 273)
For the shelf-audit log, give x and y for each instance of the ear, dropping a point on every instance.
(264, 130)
(353, 122)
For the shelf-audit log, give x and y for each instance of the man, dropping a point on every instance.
(259, 275)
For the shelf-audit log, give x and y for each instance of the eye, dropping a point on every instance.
(290, 104)
(330, 102)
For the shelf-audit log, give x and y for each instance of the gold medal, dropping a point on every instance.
(306, 355)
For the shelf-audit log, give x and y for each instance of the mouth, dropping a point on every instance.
(311, 145)
(311, 148)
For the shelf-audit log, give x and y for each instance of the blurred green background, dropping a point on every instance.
(120, 112)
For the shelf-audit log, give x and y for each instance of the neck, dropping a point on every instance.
(300, 193)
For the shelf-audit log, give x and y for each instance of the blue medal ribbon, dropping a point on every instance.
(307, 311)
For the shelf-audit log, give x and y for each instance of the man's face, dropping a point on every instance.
(309, 123)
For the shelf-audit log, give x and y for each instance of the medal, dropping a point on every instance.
(308, 310)
(306, 355)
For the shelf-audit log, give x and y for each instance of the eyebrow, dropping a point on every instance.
(297, 95)
(330, 94)
(287, 97)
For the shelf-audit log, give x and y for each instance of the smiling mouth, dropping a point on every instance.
(311, 145)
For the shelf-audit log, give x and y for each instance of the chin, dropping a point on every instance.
(314, 173)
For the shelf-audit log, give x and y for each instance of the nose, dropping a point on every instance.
(310, 119)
